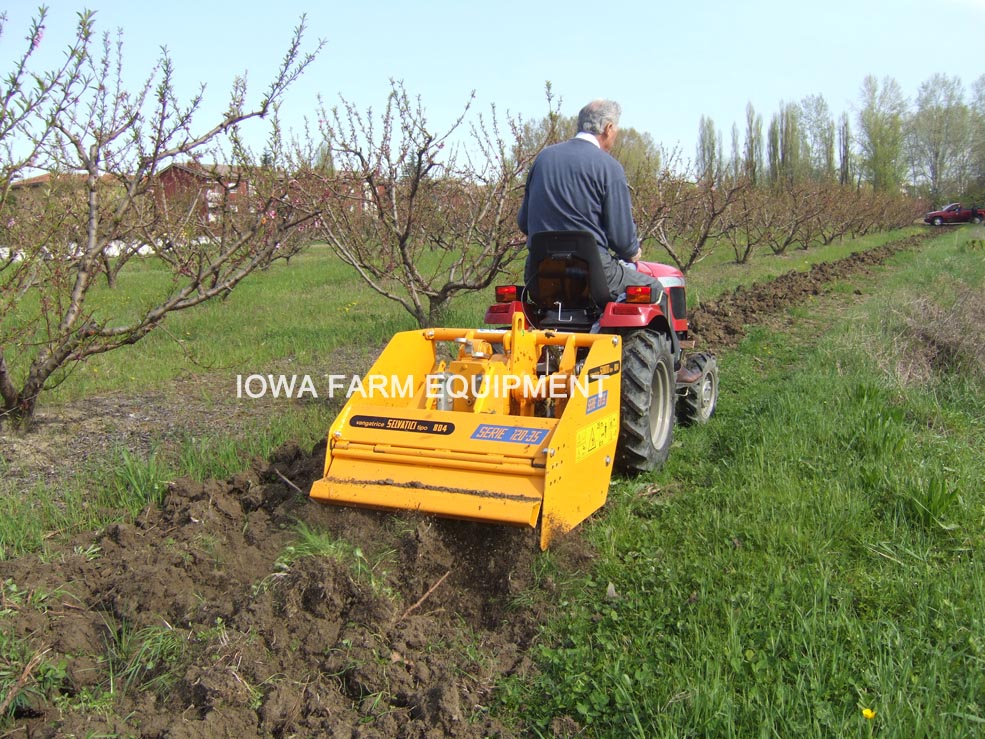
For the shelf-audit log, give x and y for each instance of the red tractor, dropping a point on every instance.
(569, 294)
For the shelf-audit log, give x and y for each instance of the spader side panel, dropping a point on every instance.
(579, 460)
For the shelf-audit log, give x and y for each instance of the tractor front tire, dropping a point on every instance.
(697, 403)
(646, 415)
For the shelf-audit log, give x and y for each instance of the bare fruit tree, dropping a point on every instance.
(421, 214)
(684, 218)
(794, 207)
(94, 175)
(748, 221)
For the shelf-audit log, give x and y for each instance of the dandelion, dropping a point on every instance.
(868, 713)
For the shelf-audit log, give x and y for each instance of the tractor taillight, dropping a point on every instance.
(505, 293)
(639, 294)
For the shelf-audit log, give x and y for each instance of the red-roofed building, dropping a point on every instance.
(216, 188)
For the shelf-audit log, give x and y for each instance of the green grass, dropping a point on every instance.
(812, 552)
(313, 543)
(144, 658)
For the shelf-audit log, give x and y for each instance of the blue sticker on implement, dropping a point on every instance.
(596, 402)
(512, 434)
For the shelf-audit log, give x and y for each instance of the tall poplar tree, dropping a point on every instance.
(939, 138)
(880, 133)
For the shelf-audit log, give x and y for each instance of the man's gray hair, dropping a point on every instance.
(595, 116)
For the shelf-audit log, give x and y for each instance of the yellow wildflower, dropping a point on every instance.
(868, 713)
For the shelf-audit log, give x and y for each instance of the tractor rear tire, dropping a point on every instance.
(696, 405)
(646, 415)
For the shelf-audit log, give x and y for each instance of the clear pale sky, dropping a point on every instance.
(667, 63)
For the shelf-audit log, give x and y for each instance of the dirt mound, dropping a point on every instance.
(199, 610)
(203, 618)
(721, 324)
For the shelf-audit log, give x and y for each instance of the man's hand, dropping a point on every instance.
(636, 257)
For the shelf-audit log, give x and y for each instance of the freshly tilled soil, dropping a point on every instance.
(721, 324)
(361, 646)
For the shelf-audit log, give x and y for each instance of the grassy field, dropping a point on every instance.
(291, 314)
(808, 564)
(299, 314)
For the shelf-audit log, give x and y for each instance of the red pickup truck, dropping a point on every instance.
(955, 213)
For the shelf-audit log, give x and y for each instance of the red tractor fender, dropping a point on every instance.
(501, 314)
(630, 315)
(658, 270)
(622, 315)
(672, 281)
(616, 315)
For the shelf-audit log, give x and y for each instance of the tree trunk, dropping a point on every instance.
(437, 311)
(108, 269)
(18, 412)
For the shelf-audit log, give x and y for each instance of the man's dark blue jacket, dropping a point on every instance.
(575, 186)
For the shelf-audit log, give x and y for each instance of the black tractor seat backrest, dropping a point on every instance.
(569, 273)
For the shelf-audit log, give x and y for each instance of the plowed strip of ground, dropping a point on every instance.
(721, 324)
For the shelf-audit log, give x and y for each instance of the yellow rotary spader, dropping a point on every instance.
(516, 427)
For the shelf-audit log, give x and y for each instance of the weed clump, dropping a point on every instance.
(940, 339)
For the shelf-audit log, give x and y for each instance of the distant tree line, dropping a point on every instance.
(931, 146)
(793, 184)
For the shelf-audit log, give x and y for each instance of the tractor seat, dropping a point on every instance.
(569, 287)
(569, 271)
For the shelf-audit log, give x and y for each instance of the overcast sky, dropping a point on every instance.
(666, 63)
